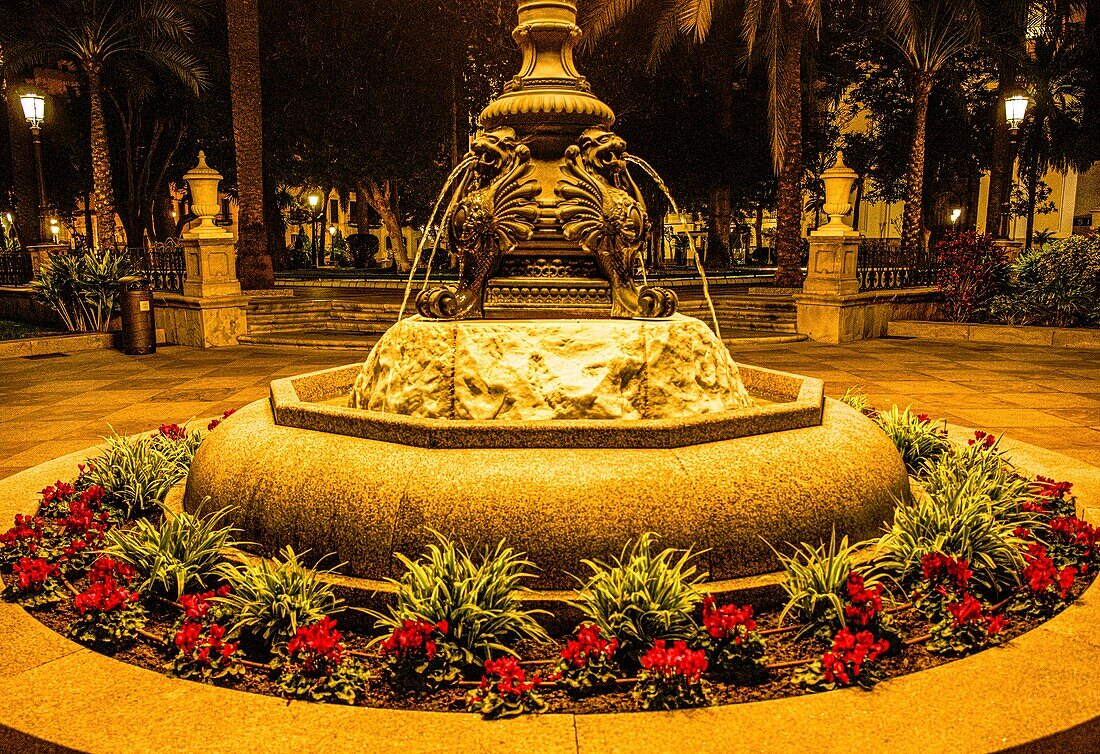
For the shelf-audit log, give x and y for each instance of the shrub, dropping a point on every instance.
(175, 555)
(1045, 587)
(477, 600)
(314, 665)
(35, 583)
(109, 609)
(961, 524)
(917, 437)
(972, 270)
(272, 600)
(82, 288)
(587, 661)
(505, 691)
(1056, 284)
(419, 655)
(671, 677)
(980, 468)
(643, 596)
(203, 654)
(23, 540)
(967, 624)
(136, 474)
(851, 661)
(816, 584)
(943, 579)
(734, 647)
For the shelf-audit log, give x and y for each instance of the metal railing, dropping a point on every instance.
(16, 267)
(882, 265)
(162, 264)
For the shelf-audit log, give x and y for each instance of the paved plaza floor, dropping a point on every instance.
(1045, 396)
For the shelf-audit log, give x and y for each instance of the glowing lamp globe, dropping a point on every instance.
(34, 108)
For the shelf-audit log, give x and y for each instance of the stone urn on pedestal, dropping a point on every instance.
(212, 310)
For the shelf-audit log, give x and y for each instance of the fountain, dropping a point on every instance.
(548, 398)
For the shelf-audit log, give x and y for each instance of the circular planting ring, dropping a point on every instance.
(1037, 692)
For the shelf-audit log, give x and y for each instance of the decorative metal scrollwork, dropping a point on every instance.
(495, 211)
(602, 209)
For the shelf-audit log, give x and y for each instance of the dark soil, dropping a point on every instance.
(783, 647)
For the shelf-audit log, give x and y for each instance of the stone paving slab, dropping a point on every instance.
(1051, 396)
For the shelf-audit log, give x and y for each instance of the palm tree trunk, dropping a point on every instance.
(102, 186)
(1032, 192)
(788, 252)
(253, 261)
(912, 226)
(718, 228)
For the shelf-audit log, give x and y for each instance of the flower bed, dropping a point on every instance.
(651, 640)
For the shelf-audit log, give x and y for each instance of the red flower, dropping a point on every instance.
(204, 649)
(318, 648)
(31, 574)
(983, 438)
(924, 418)
(864, 604)
(1048, 488)
(676, 660)
(27, 531)
(844, 663)
(587, 644)
(172, 431)
(413, 638)
(215, 422)
(507, 677)
(945, 570)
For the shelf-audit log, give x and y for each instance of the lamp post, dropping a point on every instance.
(313, 200)
(34, 110)
(1015, 111)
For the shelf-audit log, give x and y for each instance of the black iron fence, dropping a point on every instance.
(162, 264)
(16, 268)
(883, 265)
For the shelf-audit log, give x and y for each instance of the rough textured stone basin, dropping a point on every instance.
(339, 488)
(549, 369)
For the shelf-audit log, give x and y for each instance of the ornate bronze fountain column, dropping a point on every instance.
(548, 222)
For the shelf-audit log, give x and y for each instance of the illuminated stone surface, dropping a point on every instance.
(550, 369)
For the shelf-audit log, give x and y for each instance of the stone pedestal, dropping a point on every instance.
(212, 310)
(828, 309)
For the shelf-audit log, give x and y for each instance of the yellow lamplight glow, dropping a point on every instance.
(1015, 110)
(34, 108)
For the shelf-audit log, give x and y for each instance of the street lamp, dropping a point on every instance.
(955, 215)
(1015, 111)
(313, 200)
(34, 110)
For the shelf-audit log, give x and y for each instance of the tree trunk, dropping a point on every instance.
(102, 187)
(788, 273)
(383, 197)
(253, 261)
(911, 227)
(1032, 192)
(718, 229)
(274, 223)
(1000, 170)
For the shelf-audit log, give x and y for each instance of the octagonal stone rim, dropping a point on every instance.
(799, 403)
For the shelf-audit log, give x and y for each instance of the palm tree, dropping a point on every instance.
(92, 36)
(773, 31)
(1050, 135)
(254, 262)
(929, 34)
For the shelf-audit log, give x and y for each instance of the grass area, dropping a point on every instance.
(11, 329)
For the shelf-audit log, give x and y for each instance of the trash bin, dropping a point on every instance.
(139, 333)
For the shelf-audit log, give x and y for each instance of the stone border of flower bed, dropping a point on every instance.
(1019, 335)
(50, 344)
(1038, 692)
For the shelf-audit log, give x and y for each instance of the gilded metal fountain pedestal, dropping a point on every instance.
(546, 219)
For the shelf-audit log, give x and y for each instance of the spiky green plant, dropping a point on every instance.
(816, 582)
(918, 439)
(960, 522)
(642, 596)
(137, 473)
(477, 599)
(858, 400)
(272, 599)
(981, 469)
(82, 288)
(179, 553)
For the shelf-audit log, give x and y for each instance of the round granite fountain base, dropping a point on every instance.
(364, 499)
